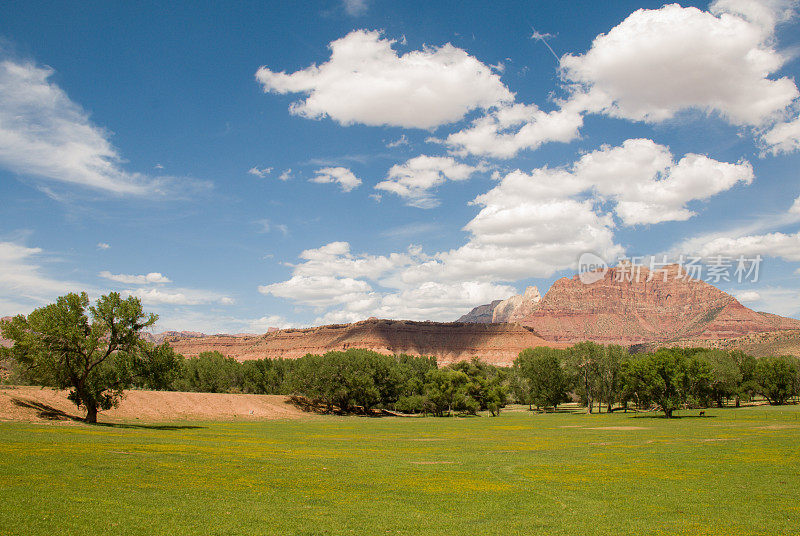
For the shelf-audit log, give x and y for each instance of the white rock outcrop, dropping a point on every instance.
(517, 307)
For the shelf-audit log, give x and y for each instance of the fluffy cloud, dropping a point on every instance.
(320, 290)
(640, 177)
(340, 175)
(658, 62)
(648, 186)
(366, 81)
(765, 13)
(152, 277)
(783, 137)
(517, 235)
(509, 129)
(415, 179)
(335, 259)
(334, 282)
(46, 135)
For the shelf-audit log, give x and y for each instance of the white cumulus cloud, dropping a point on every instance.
(342, 176)
(366, 81)
(416, 179)
(783, 137)
(320, 290)
(649, 186)
(659, 62)
(509, 129)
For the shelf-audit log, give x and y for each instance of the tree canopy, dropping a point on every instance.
(95, 351)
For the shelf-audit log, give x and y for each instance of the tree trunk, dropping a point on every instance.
(668, 413)
(91, 412)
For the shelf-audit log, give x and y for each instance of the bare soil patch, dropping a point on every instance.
(36, 404)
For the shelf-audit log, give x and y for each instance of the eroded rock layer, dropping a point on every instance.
(627, 307)
(448, 342)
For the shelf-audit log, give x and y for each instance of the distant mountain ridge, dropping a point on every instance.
(652, 307)
(448, 342)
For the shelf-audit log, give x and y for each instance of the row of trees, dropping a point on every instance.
(353, 380)
(595, 375)
(669, 378)
(97, 352)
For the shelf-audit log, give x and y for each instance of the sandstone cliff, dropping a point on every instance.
(627, 308)
(518, 307)
(448, 342)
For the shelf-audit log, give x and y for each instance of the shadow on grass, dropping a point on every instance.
(150, 426)
(44, 411)
(674, 417)
(52, 414)
(551, 411)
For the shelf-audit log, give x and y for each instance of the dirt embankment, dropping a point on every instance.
(43, 404)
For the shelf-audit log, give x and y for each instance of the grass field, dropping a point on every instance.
(732, 472)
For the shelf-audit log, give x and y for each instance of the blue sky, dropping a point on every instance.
(241, 165)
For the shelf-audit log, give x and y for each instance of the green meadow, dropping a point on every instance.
(731, 472)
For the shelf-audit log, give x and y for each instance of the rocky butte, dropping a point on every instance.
(632, 305)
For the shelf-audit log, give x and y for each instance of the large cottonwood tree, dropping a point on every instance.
(94, 351)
